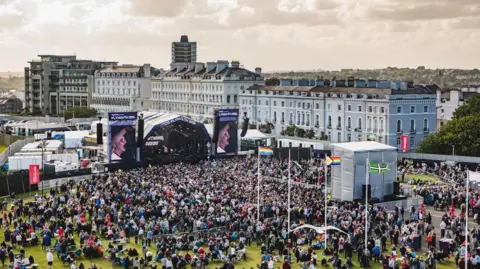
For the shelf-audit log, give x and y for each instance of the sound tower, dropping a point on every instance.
(100, 133)
(364, 189)
(396, 188)
(140, 131)
(245, 125)
(216, 125)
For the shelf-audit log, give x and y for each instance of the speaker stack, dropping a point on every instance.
(216, 125)
(99, 132)
(396, 188)
(245, 125)
(140, 131)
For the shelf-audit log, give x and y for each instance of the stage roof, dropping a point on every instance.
(154, 120)
(251, 133)
(364, 146)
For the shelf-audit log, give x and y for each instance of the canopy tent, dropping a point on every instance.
(319, 230)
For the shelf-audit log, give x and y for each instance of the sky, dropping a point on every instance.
(272, 34)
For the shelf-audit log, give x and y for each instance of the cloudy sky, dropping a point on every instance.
(273, 34)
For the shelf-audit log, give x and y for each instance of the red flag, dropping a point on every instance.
(422, 209)
(452, 211)
(34, 170)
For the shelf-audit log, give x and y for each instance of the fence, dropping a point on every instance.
(438, 157)
(13, 148)
(390, 206)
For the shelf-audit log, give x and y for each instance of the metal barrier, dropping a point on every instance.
(416, 202)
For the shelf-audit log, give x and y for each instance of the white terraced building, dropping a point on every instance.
(197, 89)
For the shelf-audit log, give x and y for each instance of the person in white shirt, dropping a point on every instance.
(443, 227)
(49, 259)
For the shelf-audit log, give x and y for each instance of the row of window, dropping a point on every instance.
(188, 86)
(117, 75)
(123, 91)
(412, 109)
(412, 126)
(117, 82)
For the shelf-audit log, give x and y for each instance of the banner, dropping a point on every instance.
(404, 143)
(227, 132)
(121, 136)
(34, 171)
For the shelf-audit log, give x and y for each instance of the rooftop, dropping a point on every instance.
(364, 146)
(121, 69)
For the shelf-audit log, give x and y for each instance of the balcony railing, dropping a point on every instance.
(413, 131)
(375, 130)
(339, 127)
(349, 128)
(317, 124)
(399, 131)
(329, 126)
(426, 130)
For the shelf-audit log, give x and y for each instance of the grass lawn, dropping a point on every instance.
(2, 148)
(422, 178)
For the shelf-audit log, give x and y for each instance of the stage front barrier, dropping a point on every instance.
(390, 206)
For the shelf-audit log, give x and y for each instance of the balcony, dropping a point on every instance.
(339, 127)
(413, 131)
(282, 121)
(375, 130)
(329, 126)
(349, 128)
(426, 130)
(317, 124)
(399, 132)
(358, 129)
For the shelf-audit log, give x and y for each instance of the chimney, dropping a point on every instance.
(211, 66)
(221, 64)
(146, 70)
(199, 67)
(184, 38)
(258, 71)
(235, 64)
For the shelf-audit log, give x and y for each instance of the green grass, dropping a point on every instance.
(422, 178)
(2, 148)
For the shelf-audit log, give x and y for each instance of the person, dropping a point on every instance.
(118, 144)
(223, 138)
(49, 259)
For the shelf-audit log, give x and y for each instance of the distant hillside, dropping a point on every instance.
(12, 83)
(420, 75)
(11, 74)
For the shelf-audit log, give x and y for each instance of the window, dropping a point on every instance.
(382, 109)
(339, 137)
(283, 116)
(369, 123)
(259, 102)
(399, 109)
(359, 108)
(412, 109)
(291, 104)
(425, 109)
(381, 125)
(349, 137)
(251, 102)
(317, 122)
(329, 108)
(359, 125)
(339, 121)
(291, 118)
(308, 105)
(399, 126)
(442, 110)
(349, 107)
(425, 124)
(318, 105)
(339, 107)
(349, 122)
(329, 121)
(370, 110)
(266, 103)
(283, 103)
(398, 141)
(412, 141)
(412, 125)
(235, 99)
(275, 115)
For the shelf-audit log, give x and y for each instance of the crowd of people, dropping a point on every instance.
(196, 214)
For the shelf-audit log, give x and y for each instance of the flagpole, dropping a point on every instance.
(383, 178)
(289, 185)
(367, 168)
(466, 224)
(325, 217)
(258, 186)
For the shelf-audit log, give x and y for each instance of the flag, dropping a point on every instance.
(452, 211)
(34, 172)
(378, 168)
(333, 160)
(264, 151)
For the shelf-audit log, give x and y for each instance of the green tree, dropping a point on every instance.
(469, 108)
(462, 134)
(79, 112)
(272, 82)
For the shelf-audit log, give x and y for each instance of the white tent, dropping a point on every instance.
(251, 133)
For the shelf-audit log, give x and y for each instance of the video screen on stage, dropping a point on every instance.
(179, 137)
(227, 132)
(121, 136)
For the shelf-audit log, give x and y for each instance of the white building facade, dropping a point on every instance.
(197, 89)
(122, 88)
(449, 100)
(344, 114)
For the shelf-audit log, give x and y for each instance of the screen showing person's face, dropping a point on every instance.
(224, 137)
(118, 142)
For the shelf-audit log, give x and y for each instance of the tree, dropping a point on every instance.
(462, 134)
(469, 108)
(80, 112)
(310, 133)
(272, 82)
